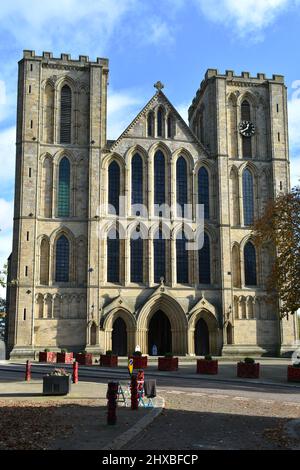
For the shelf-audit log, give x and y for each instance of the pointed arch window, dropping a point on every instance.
(204, 262)
(250, 264)
(64, 188)
(159, 245)
(113, 256)
(181, 186)
(150, 124)
(62, 259)
(137, 179)
(65, 115)
(160, 122)
(114, 188)
(159, 178)
(203, 190)
(136, 258)
(248, 197)
(182, 260)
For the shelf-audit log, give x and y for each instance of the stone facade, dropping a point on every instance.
(81, 313)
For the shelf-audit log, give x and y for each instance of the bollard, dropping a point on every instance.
(28, 371)
(75, 373)
(112, 395)
(134, 393)
(140, 381)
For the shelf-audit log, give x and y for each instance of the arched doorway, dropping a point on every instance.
(160, 333)
(119, 337)
(201, 338)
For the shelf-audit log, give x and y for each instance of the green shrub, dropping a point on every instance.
(46, 350)
(208, 357)
(168, 354)
(109, 353)
(249, 360)
(297, 364)
(63, 351)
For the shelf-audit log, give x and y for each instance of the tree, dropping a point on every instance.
(3, 276)
(280, 224)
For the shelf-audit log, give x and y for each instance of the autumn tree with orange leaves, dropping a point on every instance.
(280, 225)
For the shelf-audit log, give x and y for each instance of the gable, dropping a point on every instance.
(138, 128)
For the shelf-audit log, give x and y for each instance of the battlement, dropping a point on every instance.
(244, 75)
(65, 58)
(230, 76)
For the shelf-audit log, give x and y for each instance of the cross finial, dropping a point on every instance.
(159, 85)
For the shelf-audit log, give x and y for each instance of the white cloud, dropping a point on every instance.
(63, 23)
(244, 16)
(294, 115)
(294, 132)
(6, 214)
(2, 93)
(5, 250)
(122, 107)
(7, 154)
(295, 170)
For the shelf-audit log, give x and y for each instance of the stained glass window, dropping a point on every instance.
(159, 244)
(182, 260)
(204, 262)
(137, 179)
(113, 257)
(181, 185)
(65, 115)
(159, 178)
(250, 265)
(64, 188)
(62, 259)
(114, 186)
(150, 126)
(136, 260)
(248, 197)
(160, 122)
(203, 190)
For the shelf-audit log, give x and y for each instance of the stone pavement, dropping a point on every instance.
(76, 421)
(206, 420)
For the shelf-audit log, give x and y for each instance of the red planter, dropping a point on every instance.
(207, 367)
(168, 363)
(293, 374)
(108, 361)
(140, 362)
(84, 359)
(47, 356)
(64, 358)
(248, 371)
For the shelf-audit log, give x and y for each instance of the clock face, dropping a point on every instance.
(247, 129)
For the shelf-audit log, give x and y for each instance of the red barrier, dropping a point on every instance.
(75, 373)
(134, 393)
(28, 371)
(112, 395)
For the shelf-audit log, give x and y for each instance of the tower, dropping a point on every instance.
(242, 121)
(61, 126)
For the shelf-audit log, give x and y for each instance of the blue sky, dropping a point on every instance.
(174, 41)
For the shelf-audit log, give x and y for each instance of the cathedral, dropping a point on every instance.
(105, 254)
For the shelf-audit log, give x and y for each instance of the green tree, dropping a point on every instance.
(280, 224)
(3, 276)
